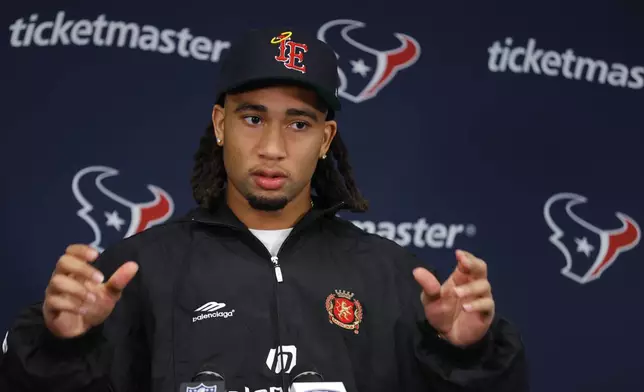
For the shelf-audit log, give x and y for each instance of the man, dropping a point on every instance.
(263, 280)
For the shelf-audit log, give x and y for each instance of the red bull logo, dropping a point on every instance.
(112, 216)
(363, 70)
(588, 250)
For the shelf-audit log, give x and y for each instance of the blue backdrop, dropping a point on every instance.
(513, 131)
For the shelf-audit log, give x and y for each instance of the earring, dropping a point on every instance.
(324, 156)
(218, 141)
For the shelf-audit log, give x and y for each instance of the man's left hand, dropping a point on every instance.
(462, 308)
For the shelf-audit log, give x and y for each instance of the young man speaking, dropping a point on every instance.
(262, 280)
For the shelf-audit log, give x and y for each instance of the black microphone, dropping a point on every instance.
(205, 380)
(313, 381)
(308, 376)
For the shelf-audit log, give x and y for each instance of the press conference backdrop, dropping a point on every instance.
(512, 131)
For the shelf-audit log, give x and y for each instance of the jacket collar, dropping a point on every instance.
(222, 215)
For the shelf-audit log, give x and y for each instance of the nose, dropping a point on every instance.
(272, 144)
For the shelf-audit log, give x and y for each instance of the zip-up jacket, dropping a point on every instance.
(207, 296)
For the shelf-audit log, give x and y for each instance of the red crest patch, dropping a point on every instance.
(291, 53)
(344, 311)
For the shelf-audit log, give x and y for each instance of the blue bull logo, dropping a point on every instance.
(588, 250)
(111, 216)
(364, 71)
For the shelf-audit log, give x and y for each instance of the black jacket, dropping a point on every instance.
(206, 293)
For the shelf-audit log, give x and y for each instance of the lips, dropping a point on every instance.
(269, 179)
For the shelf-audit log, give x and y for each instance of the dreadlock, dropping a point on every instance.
(332, 180)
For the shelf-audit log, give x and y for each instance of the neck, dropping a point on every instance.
(268, 220)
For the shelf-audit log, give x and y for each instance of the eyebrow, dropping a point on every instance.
(245, 106)
(302, 112)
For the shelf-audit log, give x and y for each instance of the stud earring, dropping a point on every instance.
(324, 156)
(219, 141)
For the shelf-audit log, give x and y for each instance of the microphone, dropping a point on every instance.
(308, 376)
(205, 380)
(312, 381)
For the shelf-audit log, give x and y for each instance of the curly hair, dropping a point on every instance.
(332, 180)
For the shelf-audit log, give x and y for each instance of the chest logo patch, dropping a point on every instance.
(344, 311)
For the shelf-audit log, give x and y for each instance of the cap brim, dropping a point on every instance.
(329, 97)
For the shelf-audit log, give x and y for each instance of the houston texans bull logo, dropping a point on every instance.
(589, 251)
(111, 216)
(364, 71)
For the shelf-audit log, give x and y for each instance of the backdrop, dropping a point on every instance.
(512, 131)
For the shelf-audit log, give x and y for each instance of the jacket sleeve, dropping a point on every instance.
(111, 357)
(497, 363)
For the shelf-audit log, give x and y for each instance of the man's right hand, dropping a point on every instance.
(76, 298)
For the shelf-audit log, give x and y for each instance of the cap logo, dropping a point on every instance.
(282, 37)
(291, 53)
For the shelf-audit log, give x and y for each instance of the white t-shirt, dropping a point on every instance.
(272, 239)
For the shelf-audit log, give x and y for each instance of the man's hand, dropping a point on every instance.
(462, 308)
(76, 298)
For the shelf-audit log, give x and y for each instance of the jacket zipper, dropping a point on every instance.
(279, 278)
(278, 270)
(275, 259)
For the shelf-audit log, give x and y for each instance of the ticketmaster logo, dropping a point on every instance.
(103, 33)
(531, 59)
(420, 233)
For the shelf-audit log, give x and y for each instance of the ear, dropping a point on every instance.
(330, 129)
(218, 116)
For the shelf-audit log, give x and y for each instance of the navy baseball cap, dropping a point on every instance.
(274, 56)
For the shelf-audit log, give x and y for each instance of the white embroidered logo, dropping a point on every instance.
(210, 310)
(210, 307)
(282, 359)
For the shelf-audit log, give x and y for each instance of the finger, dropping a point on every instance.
(430, 285)
(121, 277)
(59, 303)
(61, 284)
(84, 252)
(471, 265)
(484, 305)
(70, 265)
(477, 288)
